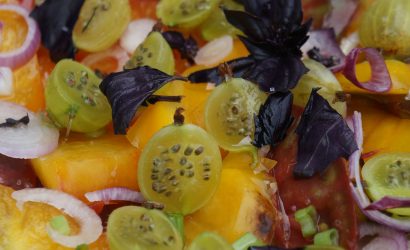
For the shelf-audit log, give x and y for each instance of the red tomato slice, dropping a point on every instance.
(328, 192)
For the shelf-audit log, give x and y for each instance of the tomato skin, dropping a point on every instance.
(329, 192)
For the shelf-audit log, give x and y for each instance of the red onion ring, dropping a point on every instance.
(89, 222)
(380, 80)
(389, 202)
(115, 194)
(18, 57)
(1, 30)
(367, 229)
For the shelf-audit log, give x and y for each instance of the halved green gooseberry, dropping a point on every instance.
(73, 98)
(388, 175)
(318, 77)
(154, 52)
(230, 111)
(209, 241)
(101, 23)
(185, 13)
(180, 167)
(138, 228)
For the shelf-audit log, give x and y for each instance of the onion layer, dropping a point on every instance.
(115, 194)
(6, 81)
(214, 51)
(25, 141)
(136, 33)
(397, 239)
(18, 57)
(89, 222)
(380, 80)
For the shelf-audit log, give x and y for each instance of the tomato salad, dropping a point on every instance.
(204, 124)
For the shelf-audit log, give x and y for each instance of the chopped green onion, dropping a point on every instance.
(82, 247)
(246, 241)
(178, 221)
(327, 238)
(307, 218)
(60, 224)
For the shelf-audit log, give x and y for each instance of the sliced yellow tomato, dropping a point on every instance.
(83, 165)
(27, 229)
(241, 204)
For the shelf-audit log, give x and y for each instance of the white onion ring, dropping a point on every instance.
(136, 33)
(6, 81)
(214, 51)
(18, 57)
(115, 194)
(90, 223)
(354, 159)
(25, 141)
(117, 53)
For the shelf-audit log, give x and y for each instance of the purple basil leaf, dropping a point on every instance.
(324, 136)
(252, 26)
(127, 90)
(273, 120)
(11, 123)
(187, 47)
(276, 73)
(56, 19)
(238, 67)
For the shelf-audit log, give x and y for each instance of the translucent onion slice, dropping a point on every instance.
(90, 223)
(6, 81)
(115, 194)
(397, 239)
(33, 140)
(214, 51)
(136, 33)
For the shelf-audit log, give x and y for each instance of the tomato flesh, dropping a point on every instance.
(329, 192)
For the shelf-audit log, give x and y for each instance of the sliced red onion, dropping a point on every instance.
(1, 30)
(377, 216)
(380, 80)
(340, 14)
(18, 57)
(115, 194)
(33, 140)
(90, 223)
(214, 51)
(398, 238)
(6, 81)
(136, 33)
(325, 41)
(354, 159)
(389, 202)
(117, 53)
(380, 243)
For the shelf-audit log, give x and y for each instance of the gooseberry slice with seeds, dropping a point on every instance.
(185, 13)
(101, 23)
(209, 241)
(154, 52)
(180, 167)
(73, 98)
(133, 228)
(388, 174)
(230, 111)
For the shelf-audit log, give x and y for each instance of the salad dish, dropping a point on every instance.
(204, 124)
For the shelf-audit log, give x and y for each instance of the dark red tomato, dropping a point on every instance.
(17, 173)
(329, 192)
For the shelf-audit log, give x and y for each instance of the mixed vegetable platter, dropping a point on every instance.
(204, 124)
